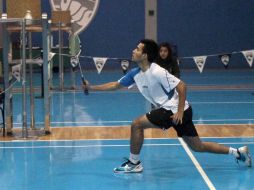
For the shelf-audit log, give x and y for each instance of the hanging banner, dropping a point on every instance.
(249, 55)
(16, 70)
(125, 65)
(200, 62)
(225, 59)
(99, 63)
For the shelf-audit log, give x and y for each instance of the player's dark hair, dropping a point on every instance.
(151, 49)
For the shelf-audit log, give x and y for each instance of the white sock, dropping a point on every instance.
(134, 158)
(233, 151)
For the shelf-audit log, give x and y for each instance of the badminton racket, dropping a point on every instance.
(83, 80)
(75, 61)
(75, 51)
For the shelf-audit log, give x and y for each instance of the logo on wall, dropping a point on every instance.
(82, 11)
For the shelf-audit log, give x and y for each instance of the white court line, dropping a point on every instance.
(83, 146)
(92, 145)
(128, 122)
(197, 165)
(127, 139)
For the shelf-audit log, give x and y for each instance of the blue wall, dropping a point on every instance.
(115, 29)
(196, 27)
(207, 27)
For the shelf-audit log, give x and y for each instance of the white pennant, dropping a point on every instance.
(125, 65)
(200, 62)
(16, 70)
(225, 59)
(249, 55)
(50, 55)
(99, 63)
(74, 61)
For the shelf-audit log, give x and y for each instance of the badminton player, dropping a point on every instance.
(168, 94)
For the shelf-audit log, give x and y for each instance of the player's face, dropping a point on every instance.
(163, 52)
(137, 53)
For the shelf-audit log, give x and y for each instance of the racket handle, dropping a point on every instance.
(86, 89)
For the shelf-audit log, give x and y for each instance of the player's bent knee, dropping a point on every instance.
(197, 147)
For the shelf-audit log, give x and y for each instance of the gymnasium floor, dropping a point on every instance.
(223, 97)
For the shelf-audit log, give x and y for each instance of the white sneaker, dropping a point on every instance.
(244, 156)
(129, 167)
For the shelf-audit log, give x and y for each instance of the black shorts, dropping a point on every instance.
(161, 118)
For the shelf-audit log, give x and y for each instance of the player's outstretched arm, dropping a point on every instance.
(104, 87)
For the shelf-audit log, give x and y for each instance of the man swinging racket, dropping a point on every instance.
(168, 94)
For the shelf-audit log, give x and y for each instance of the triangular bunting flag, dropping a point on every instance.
(99, 63)
(50, 56)
(74, 61)
(225, 59)
(125, 65)
(249, 55)
(200, 62)
(16, 70)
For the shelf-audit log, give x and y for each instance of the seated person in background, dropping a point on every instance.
(167, 60)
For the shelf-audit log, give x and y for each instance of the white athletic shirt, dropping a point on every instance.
(156, 84)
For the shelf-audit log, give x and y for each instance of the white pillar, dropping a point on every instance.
(151, 19)
(1, 6)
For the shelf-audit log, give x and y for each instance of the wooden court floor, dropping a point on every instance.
(123, 132)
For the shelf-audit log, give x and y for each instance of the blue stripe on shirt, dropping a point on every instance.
(128, 79)
(170, 94)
